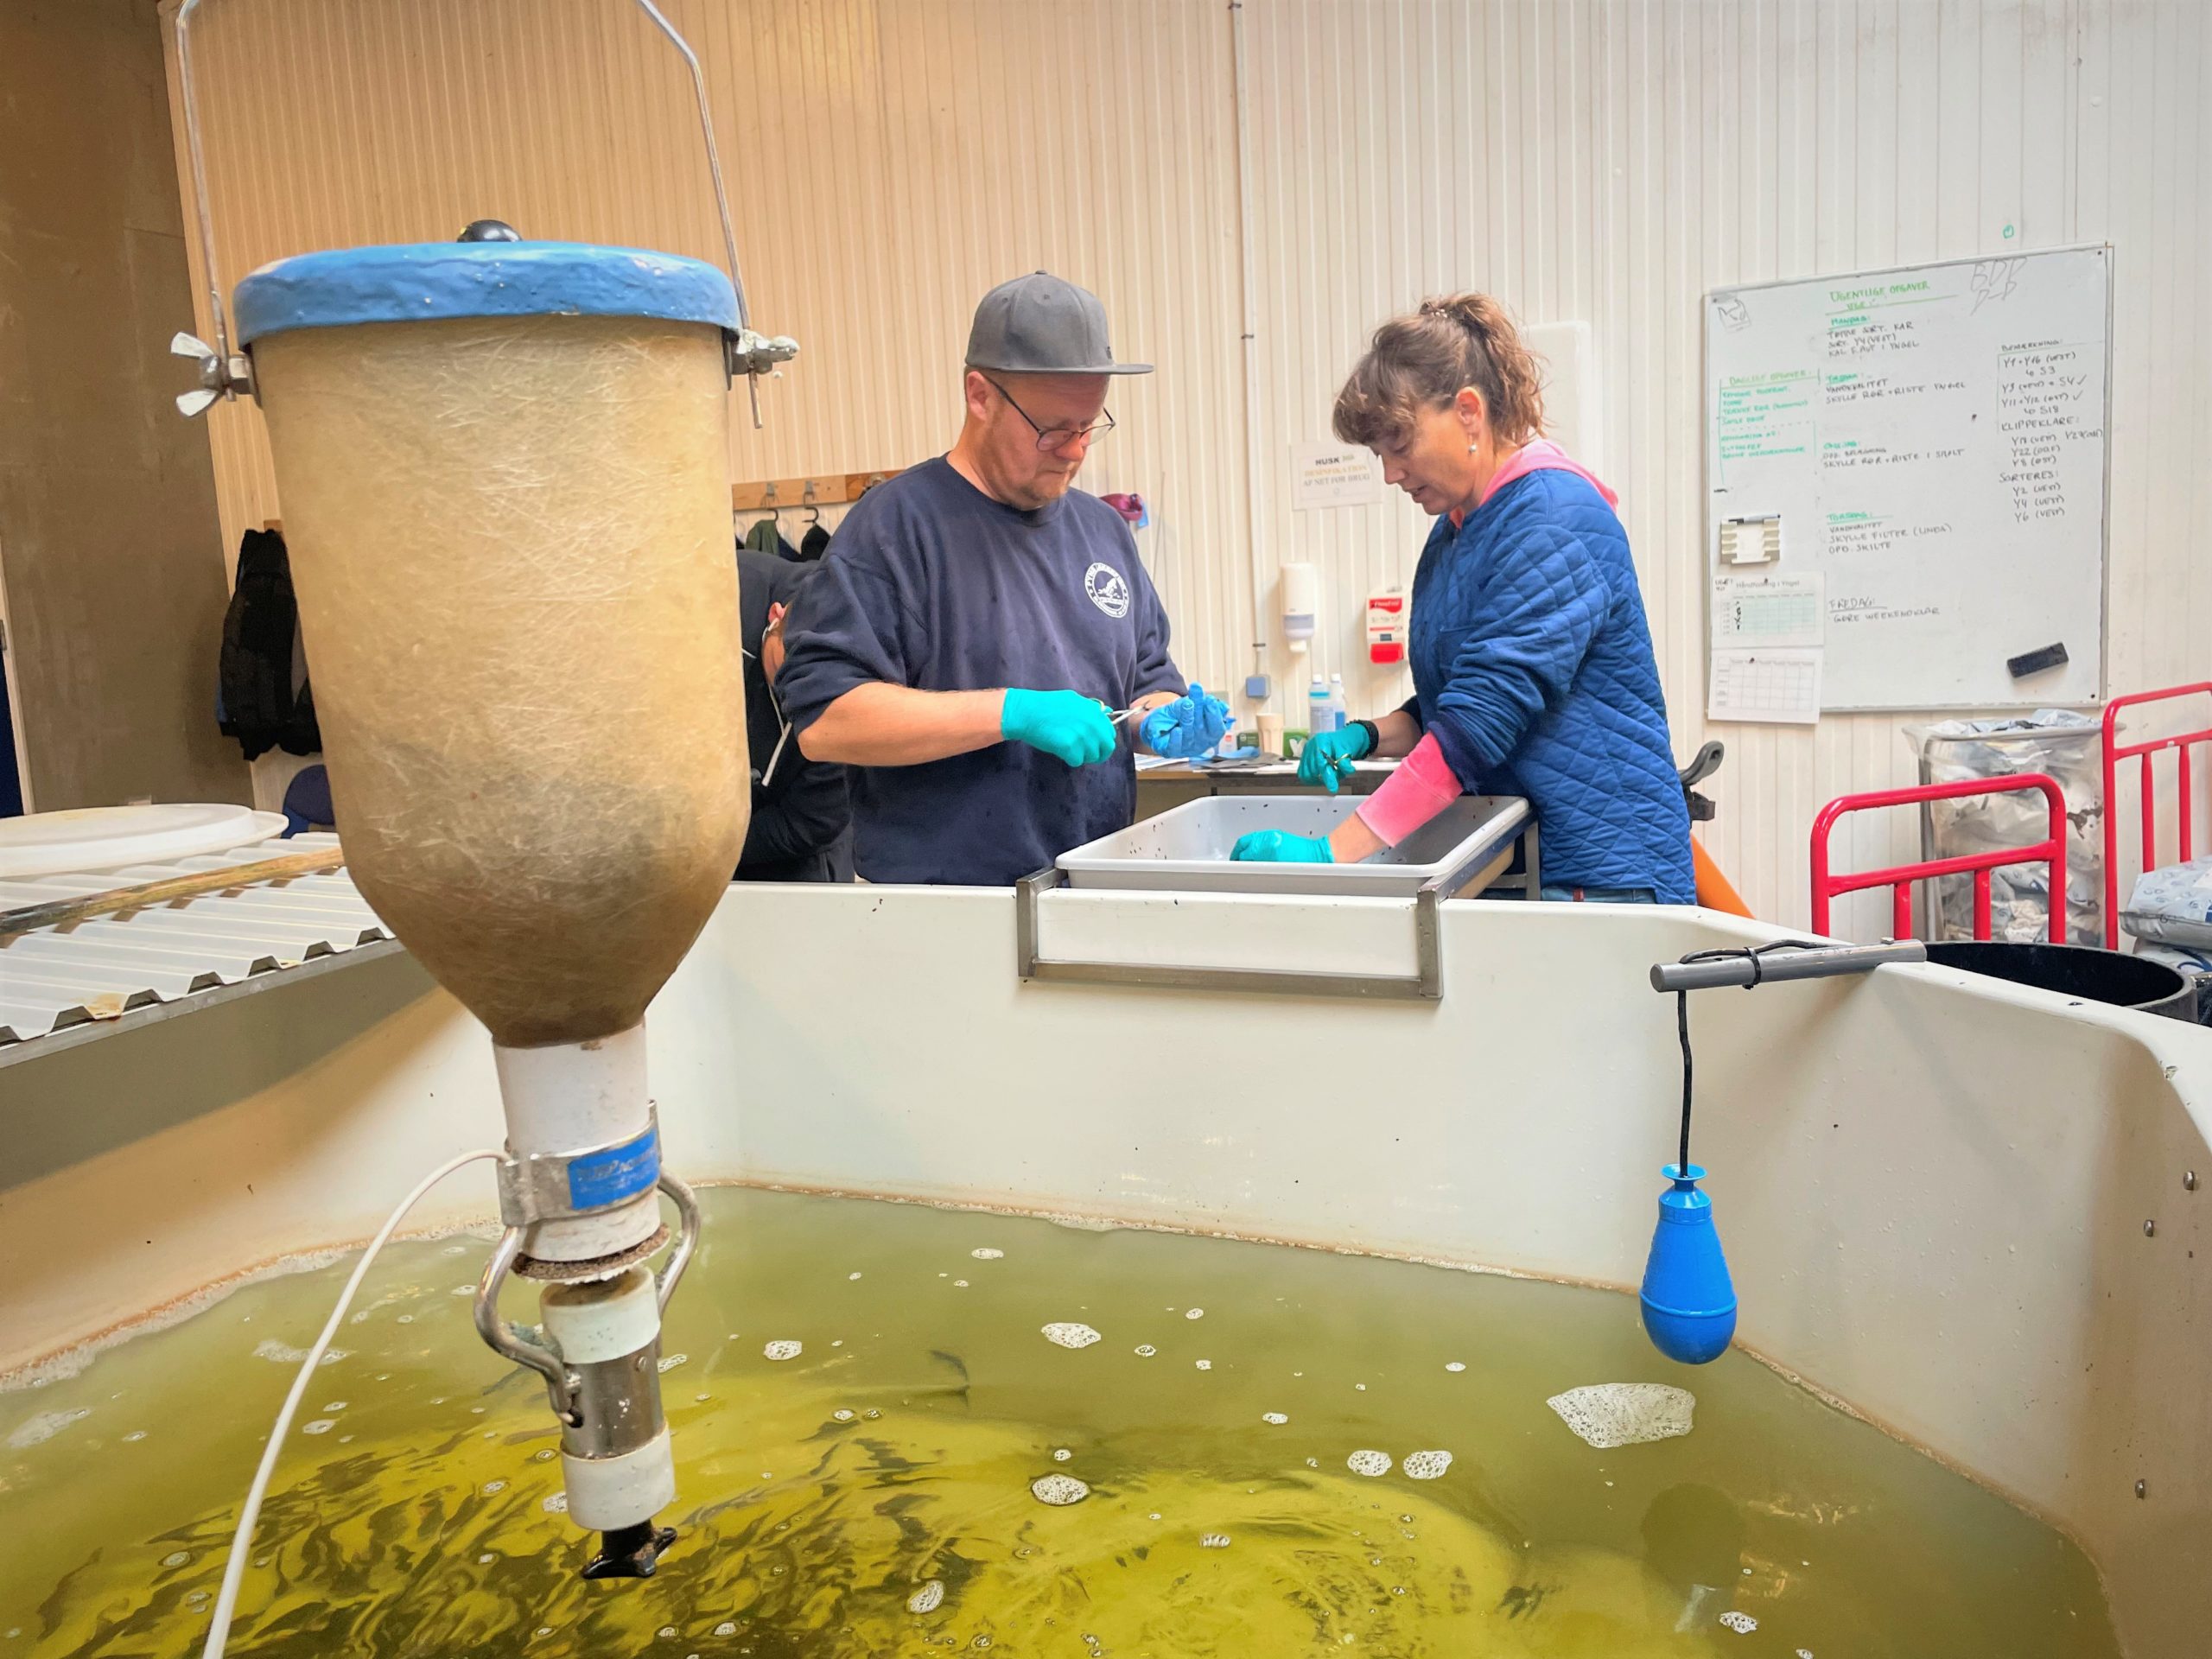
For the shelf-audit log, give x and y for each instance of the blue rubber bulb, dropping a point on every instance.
(1689, 1306)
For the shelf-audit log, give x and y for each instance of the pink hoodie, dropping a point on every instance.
(1539, 455)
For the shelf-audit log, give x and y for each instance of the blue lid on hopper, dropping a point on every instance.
(415, 281)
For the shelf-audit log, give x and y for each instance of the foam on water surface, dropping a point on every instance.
(44, 1426)
(1609, 1415)
(1069, 1334)
(284, 1354)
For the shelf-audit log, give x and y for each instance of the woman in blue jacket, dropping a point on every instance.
(1533, 671)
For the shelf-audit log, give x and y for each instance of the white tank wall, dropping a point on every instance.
(1932, 1189)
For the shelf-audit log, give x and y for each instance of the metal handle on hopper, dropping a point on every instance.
(222, 374)
(1807, 961)
(505, 1340)
(540, 1353)
(687, 1211)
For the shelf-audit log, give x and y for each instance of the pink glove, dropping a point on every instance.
(1423, 785)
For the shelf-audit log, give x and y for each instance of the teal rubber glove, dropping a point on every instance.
(1281, 846)
(1328, 756)
(1063, 723)
(1187, 728)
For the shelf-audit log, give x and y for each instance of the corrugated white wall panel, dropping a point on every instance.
(1600, 160)
(1611, 162)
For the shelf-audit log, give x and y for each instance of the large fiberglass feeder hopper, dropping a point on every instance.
(503, 470)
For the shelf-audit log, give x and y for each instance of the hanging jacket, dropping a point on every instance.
(262, 698)
(767, 537)
(1533, 668)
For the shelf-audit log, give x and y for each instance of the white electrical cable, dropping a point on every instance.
(219, 1633)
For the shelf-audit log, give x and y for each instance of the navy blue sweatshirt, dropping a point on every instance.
(929, 583)
(801, 812)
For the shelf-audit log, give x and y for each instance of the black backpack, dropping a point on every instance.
(264, 701)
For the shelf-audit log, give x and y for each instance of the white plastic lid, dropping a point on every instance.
(108, 837)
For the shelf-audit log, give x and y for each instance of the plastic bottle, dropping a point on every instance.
(1337, 703)
(1319, 717)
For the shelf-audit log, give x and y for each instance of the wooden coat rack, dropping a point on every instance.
(828, 490)
(772, 495)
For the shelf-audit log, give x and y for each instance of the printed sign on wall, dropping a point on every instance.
(1334, 475)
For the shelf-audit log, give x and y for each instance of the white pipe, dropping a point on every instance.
(605, 1494)
(570, 1096)
(1253, 470)
(593, 1323)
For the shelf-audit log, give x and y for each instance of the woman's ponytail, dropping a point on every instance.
(1422, 360)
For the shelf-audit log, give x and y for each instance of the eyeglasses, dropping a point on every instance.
(1056, 437)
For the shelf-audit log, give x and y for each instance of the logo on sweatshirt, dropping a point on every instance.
(1109, 589)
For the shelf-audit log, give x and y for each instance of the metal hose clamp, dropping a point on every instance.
(224, 373)
(590, 1180)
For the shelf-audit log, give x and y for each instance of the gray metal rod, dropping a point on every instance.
(206, 220)
(1822, 962)
(207, 270)
(714, 168)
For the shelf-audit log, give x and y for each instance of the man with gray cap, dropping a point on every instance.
(978, 621)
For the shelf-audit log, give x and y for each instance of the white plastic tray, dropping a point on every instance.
(1186, 850)
(84, 839)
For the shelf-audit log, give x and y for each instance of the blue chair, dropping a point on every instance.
(306, 801)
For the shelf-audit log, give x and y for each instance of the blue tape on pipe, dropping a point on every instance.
(616, 1175)
(416, 281)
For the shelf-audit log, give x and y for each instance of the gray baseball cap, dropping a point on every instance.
(1039, 325)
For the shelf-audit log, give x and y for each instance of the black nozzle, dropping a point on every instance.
(630, 1551)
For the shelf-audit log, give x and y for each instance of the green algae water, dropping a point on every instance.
(1219, 1448)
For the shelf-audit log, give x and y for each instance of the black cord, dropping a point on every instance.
(1682, 1026)
(1682, 1020)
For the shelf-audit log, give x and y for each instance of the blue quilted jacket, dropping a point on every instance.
(1533, 668)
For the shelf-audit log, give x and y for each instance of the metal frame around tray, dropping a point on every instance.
(1426, 983)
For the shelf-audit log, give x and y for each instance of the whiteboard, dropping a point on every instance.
(1933, 442)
